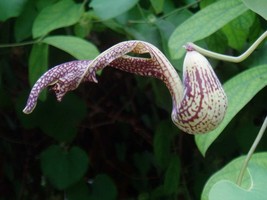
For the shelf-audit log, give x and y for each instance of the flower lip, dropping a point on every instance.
(62, 78)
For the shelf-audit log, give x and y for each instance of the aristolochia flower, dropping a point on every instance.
(204, 102)
(199, 104)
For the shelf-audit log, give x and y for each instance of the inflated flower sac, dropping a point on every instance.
(199, 103)
(204, 101)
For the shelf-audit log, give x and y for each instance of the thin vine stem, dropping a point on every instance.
(251, 151)
(23, 43)
(18, 44)
(223, 57)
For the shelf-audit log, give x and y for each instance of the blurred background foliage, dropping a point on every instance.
(114, 139)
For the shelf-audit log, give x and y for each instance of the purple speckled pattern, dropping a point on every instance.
(63, 78)
(204, 102)
(199, 103)
(67, 76)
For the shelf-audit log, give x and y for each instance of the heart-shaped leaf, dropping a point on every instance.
(103, 188)
(56, 120)
(256, 191)
(231, 171)
(64, 168)
(79, 191)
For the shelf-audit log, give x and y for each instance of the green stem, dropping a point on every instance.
(251, 151)
(229, 58)
(18, 44)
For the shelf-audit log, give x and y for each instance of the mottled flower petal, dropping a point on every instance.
(63, 78)
(156, 66)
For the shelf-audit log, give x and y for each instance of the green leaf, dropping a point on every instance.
(258, 58)
(83, 28)
(238, 96)
(157, 5)
(62, 14)
(206, 3)
(231, 171)
(103, 188)
(237, 31)
(58, 120)
(166, 27)
(23, 25)
(204, 23)
(38, 64)
(11, 8)
(162, 143)
(172, 176)
(79, 191)
(258, 6)
(64, 168)
(77, 47)
(41, 4)
(256, 191)
(145, 32)
(217, 42)
(110, 9)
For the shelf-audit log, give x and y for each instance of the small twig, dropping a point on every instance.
(251, 151)
(234, 59)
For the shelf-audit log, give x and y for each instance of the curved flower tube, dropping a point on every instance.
(199, 103)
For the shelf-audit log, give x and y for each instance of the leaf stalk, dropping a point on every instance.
(251, 151)
(235, 59)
